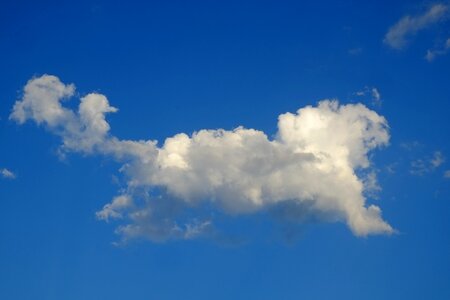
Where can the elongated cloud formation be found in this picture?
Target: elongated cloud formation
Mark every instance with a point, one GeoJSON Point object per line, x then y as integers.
{"type": "Point", "coordinates": [5, 173]}
{"type": "Point", "coordinates": [172, 189]}
{"type": "Point", "coordinates": [397, 35]}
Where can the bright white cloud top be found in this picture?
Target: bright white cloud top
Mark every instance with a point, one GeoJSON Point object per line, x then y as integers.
{"type": "Point", "coordinates": [311, 165]}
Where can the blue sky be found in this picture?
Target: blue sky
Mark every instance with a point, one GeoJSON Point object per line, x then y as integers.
{"type": "Point", "coordinates": [347, 199]}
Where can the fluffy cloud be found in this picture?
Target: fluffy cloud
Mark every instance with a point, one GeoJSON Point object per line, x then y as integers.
{"type": "Point", "coordinates": [5, 173]}
{"type": "Point", "coordinates": [174, 189]}
{"type": "Point", "coordinates": [397, 35]}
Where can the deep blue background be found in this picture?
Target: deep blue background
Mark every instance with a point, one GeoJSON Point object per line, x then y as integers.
{"type": "Point", "coordinates": [180, 66]}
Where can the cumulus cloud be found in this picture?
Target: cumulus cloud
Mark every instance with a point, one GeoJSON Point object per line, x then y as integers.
{"type": "Point", "coordinates": [5, 173]}
{"type": "Point", "coordinates": [433, 53]}
{"type": "Point", "coordinates": [397, 36]}
{"type": "Point", "coordinates": [173, 189]}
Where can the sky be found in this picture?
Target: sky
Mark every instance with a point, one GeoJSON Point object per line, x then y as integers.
{"type": "Point", "coordinates": [238, 150]}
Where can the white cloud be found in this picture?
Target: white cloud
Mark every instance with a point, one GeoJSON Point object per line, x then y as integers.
{"type": "Point", "coordinates": [398, 34]}
{"type": "Point", "coordinates": [82, 130]}
{"type": "Point", "coordinates": [174, 189]}
{"type": "Point", "coordinates": [42, 102]}
{"type": "Point", "coordinates": [432, 54]}
{"type": "Point", "coordinates": [5, 173]}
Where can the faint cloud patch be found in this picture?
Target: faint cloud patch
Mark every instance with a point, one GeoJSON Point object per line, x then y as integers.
{"type": "Point", "coordinates": [391, 168]}
{"type": "Point", "coordinates": [447, 174]}
{"type": "Point", "coordinates": [411, 145]}
{"type": "Point", "coordinates": [5, 173]}
{"type": "Point", "coordinates": [372, 93]}
{"type": "Point", "coordinates": [398, 35]}
{"type": "Point", "coordinates": [196, 229]}
{"type": "Point", "coordinates": [437, 160]}
{"type": "Point", "coordinates": [424, 166]}
{"type": "Point", "coordinates": [433, 53]}
{"type": "Point", "coordinates": [355, 51]}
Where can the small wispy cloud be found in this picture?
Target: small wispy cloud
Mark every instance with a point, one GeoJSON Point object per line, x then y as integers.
{"type": "Point", "coordinates": [437, 160]}
{"type": "Point", "coordinates": [391, 168]}
{"type": "Point", "coordinates": [376, 96]}
{"type": "Point", "coordinates": [397, 36]}
{"type": "Point", "coordinates": [371, 92]}
{"type": "Point", "coordinates": [355, 51]}
{"type": "Point", "coordinates": [411, 145]}
{"type": "Point", "coordinates": [447, 174]}
{"type": "Point", "coordinates": [433, 53]}
{"type": "Point", "coordinates": [5, 173]}
{"type": "Point", "coordinates": [423, 166]}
